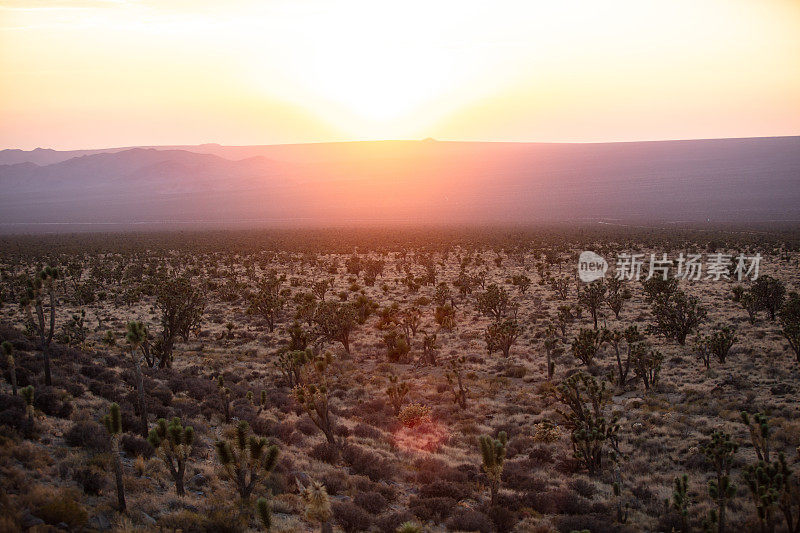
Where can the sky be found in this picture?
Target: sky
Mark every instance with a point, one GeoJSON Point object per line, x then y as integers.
{"type": "Point", "coordinates": [102, 73]}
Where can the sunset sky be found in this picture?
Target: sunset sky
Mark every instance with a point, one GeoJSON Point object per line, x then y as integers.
{"type": "Point", "coordinates": [101, 73]}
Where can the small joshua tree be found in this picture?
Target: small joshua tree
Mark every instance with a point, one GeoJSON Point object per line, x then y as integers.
{"type": "Point", "coordinates": [397, 347]}
{"type": "Point", "coordinates": [681, 501]}
{"type": "Point", "coordinates": [550, 344]}
{"type": "Point", "coordinates": [646, 364]}
{"type": "Point", "coordinates": [312, 396]}
{"type": "Point", "coordinates": [264, 513]}
{"type": "Point", "coordinates": [445, 316]}
{"type": "Point", "coordinates": [720, 450]}
{"type": "Point", "coordinates": [27, 395]}
{"type": "Point", "coordinates": [455, 380]}
{"type": "Point", "coordinates": [397, 391]}
{"type": "Point", "coordinates": [521, 282]}
{"type": "Point", "coordinates": [501, 336]}
{"type": "Point", "coordinates": [617, 296]}
{"type": "Point", "coordinates": [291, 364]}
{"type": "Point", "coordinates": [429, 347]}
{"type": "Point", "coordinates": [587, 344]}
{"type": "Point", "coordinates": [8, 352]}
{"type": "Point", "coordinates": [113, 424]}
{"type": "Point", "coordinates": [173, 444]}
{"type": "Point", "coordinates": [318, 505]}
{"type": "Point", "coordinates": [493, 453]}
{"type": "Point", "coordinates": [246, 460]}
{"type": "Point", "coordinates": [790, 322]}
{"type": "Point", "coordinates": [717, 344]}
{"type": "Point", "coordinates": [592, 298]}
{"type": "Point", "coordinates": [759, 433]}
{"type": "Point", "coordinates": [136, 337]}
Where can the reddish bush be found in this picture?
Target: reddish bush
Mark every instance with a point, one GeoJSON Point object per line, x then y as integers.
{"type": "Point", "coordinates": [350, 517]}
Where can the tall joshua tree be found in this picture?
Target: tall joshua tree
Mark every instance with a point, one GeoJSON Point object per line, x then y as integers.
{"type": "Point", "coordinates": [113, 423]}
{"type": "Point", "coordinates": [33, 303]}
{"type": "Point", "coordinates": [136, 337]}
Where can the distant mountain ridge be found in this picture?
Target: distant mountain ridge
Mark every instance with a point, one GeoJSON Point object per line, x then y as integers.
{"type": "Point", "coordinates": [741, 180]}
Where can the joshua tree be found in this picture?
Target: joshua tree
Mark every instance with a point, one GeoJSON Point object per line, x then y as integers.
{"type": "Point", "coordinates": [318, 505]}
{"type": "Point", "coordinates": [181, 306]}
{"type": "Point", "coordinates": [759, 433]}
{"type": "Point", "coordinates": [397, 346]}
{"type": "Point", "coordinates": [246, 460]}
{"type": "Point", "coordinates": [445, 316]}
{"type": "Point", "coordinates": [720, 450]}
{"type": "Point", "coordinates": [8, 351]}
{"type": "Point", "coordinates": [676, 315]}
{"type": "Point", "coordinates": [550, 343]}
{"type": "Point", "coordinates": [769, 293]}
{"type": "Point", "coordinates": [312, 396]}
{"type": "Point", "coordinates": [335, 322]}
{"type": "Point", "coordinates": [617, 296]}
{"type": "Point", "coordinates": [298, 338]}
{"type": "Point", "coordinates": [455, 380]}
{"type": "Point", "coordinates": [592, 298]}
{"type": "Point", "coordinates": [717, 344]}
{"type": "Point", "coordinates": [586, 401]}
{"type": "Point", "coordinates": [43, 285]}
{"type": "Point", "coordinates": [493, 303]}
{"type": "Point", "coordinates": [429, 347]}
{"type": "Point", "coordinates": [521, 282]}
{"type": "Point", "coordinates": [493, 452]}
{"type": "Point", "coordinates": [790, 322]}
{"type": "Point", "coordinates": [501, 336]}
{"type": "Point", "coordinates": [173, 444]}
{"type": "Point", "coordinates": [291, 364]}
{"type": "Point", "coordinates": [646, 364]}
{"type": "Point", "coordinates": [681, 501]}
{"type": "Point", "coordinates": [397, 391]}
{"type": "Point", "coordinates": [564, 319]}
{"type": "Point", "coordinates": [587, 344]}
{"type": "Point", "coordinates": [136, 337]}
{"type": "Point", "coordinates": [113, 423]}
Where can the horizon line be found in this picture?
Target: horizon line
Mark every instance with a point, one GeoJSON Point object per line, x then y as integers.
{"type": "Point", "coordinates": [427, 139]}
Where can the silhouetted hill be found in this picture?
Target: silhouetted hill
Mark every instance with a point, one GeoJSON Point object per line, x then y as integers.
{"type": "Point", "coordinates": [742, 180]}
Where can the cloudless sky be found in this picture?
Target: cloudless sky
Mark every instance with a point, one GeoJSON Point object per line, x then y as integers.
{"type": "Point", "coordinates": [101, 73]}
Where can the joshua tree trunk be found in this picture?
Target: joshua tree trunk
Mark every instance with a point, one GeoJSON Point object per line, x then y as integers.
{"type": "Point", "coordinates": [140, 387]}
{"type": "Point", "coordinates": [118, 473]}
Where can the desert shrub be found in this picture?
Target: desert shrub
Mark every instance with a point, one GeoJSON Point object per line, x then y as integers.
{"type": "Point", "coordinates": [582, 486]}
{"type": "Point", "coordinates": [586, 522]}
{"type": "Point", "coordinates": [63, 507]}
{"type": "Point", "coordinates": [91, 480]}
{"type": "Point", "coordinates": [52, 402]}
{"type": "Point", "coordinates": [12, 414]}
{"type": "Point", "coordinates": [459, 491]}
{"type": "Point", "coordinates": [414, 414]}
{"type": "Point", "coordinates": [469, 520]}
{"type": "Point", "coordinates": [135, 446]}
{"type": "Point", "coordinates": [74, 389]}
{"type": "Point", "coordinates": [367, 463]}
{"type": "Point", "coordinates": [86, 434]}
{"type": "Point", "coordinates": [437, 508]}
{"type": "Point", "coordinates": [371, 501]}
{"type": "Point", "coordinates": [389, 522]}
{"type": "Point", "coordinates": [366, 431]}
{"type": "Point", "coordinates": [325, 452]}
{"type": "Point", "coordinates": [335, 482]}
{"type": "Point", "coordinates": [504, 519]}
{"type": "Point", "coordinates": [350, 517]}
{"type": "Point", "coordinates": [104, 389]}
{"type": "Point", "coordinates": [540, 455]}
{"type": "Point", "coordinates": [184, 520]}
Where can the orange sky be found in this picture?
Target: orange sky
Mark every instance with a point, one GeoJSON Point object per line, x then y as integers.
{"type": "Point", "coordinates": [99, 73]}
